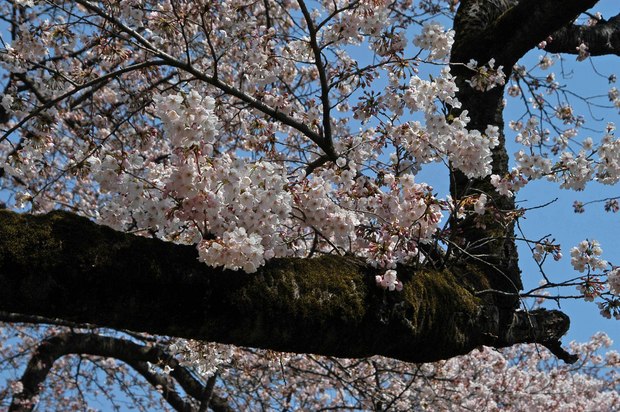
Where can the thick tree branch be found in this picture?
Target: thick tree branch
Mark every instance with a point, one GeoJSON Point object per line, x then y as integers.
{"type": "Point", "coordinates": [63, 266]}
{"type": "Point", "coordinates": [507, 29]}
{"type": "Point", "coordinates": [603, 38]}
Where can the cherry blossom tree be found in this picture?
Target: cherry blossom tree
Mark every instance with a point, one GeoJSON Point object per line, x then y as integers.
{"type": "Point", "coordinates": [246, 173]}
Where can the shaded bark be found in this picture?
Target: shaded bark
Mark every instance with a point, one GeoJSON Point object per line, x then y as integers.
{"type": "Point", "coordinates": [503, 30]}
{"type": "Point", "coordinates": [63, 266]}
{"type": "Point", "coordinates": [507, 29]}
{"type": "Point", "coordinates": [603, 38]}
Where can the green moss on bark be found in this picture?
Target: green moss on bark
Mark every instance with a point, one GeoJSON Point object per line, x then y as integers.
{"type": "Point", "coordinates": [63, 266]}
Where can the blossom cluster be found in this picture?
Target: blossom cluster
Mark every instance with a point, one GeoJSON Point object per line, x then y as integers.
{"type": "Point", "coordinates": [583, 52]}
{"type": "Point", "coordinates": [545, 248]}
{"type": "Point", "coordinates": [613, 279]}
{"type": "Point", "coordinates": [389, 281]}
{"type": "Point", "coordinates": [614, 97]}
{"type": "Point", "coordinates": [203, 358]}
{"type": "Point", "coordinates": [608, 165]}
{"type": "Point", "coordinates": [599, 282]}
{"type": "Point", "coordinates": [241, 213]}
{"type": "Point", "coordinates": [573, 169]}
{"type": "Point", "coordinates": [436, 40]}
{"type": "Point", "coordinates": [508, 184]}
{"type": "Point", "coordinates": [486, 77]}
{"type": "Point", "coordinates": [188, 120]}
{"type": "Point", "coordinates": [586, 256]}
{"type": "Point", "coordinates": [468, 150]}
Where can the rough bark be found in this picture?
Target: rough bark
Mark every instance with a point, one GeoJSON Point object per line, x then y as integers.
{"type": "Point", "coordinates": [503, 30]}
{"type": "Point", "coordinates": [507, 29]}
{"type": "Point", "coordinates": [603, 38]}
{"type": "Point", "coordinates": [63, 266]}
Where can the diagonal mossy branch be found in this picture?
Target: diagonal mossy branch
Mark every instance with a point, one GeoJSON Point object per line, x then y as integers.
{"type": "Point", "coordinates": [63, 266]}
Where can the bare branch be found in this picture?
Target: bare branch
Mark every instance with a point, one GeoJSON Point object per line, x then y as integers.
{"type": "Point", "coordinates": [93, 83]}
{"type": "Point", "coordinates": [53, 348]}
{"type": "Point", "coordinates": [320, 66]}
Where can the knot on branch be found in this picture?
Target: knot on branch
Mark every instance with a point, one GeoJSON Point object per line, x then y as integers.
{"type": "Point", "coordinates": [542, 326]}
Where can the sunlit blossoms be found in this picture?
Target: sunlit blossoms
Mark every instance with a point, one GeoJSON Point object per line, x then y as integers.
{"type": "Point", "coordinates": [608, 167]}
{"type": "Point", "coordinates": [613, 279]}
{"type": "Point", "coordinates": [480, 205]}
{"type": "Point", "coordinates": [582, 52]}
{"type": "Point", "coordinates": [188, 120]}
{"type": "Point", "coordinates": [435, 39]}
{"type": "Point", "coordinates": [389, 281]}
{"type": "Point", "coordinates": [202, 358]}
{"type": "Point", "coordinates": [487, 77]}
{"type": "Point", "coordinates": [586, 255]}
